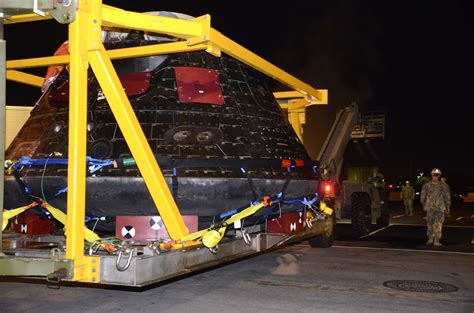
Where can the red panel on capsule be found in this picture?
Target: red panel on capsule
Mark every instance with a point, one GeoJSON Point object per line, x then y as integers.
{"type": "Point", "coordinates": [198, 85]}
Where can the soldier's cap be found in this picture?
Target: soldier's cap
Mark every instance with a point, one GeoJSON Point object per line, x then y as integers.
{"type": "Point", "coordinates": [436, 171]}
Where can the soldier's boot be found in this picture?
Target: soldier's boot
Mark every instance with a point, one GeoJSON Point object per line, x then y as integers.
{"type": "Point", "coordinates": [430, 241]}
{"type": "Point", "coordinates": [437, 243]}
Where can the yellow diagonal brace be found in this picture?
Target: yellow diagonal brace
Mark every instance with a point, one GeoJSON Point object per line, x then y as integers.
{"type": "Point", "coordinates": [25, 78]}
{"type": "Point", "coordinates": [136, 140]}
{"type": "Point", "coordinates": [158, 24]}
{"type": "Point", "coordinates": [246, 56]}
{"type": "Point", "coordinates": [163, 48]}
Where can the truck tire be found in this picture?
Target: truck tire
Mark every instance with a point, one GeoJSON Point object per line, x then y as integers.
{"type": "Point", "coordinates": [361, 214]}
{"type": "Point", "coordinates": [384, 219]}
{"type": "Point", "coordinates": [326, 240]}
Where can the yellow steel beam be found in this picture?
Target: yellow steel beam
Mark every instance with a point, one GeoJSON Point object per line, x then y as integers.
{"type": "Point", "coordinates": [246, 56]}
{"type": "Point", "coordinates": [298, 104]}
{"type": "Point", "coordinates": [295, 121]}
{"type": "Point", "coordinates": [283, 96]}
{"type": "Point", "coordinates": [137, 142]}
{"type": "Point", "coordinates": [296, 109]}
{"type": "Point", "coordinates": [76, 179]}
{"type": "Point", "coordinates": [25, 78]}
{"type": "Point", "coordinates": [37, 62]}
{"type": "Point", "coordinates": [197, 28]}
{"type": "Point", "coordinates": [29, 17]}
{"type": "Point", "coordinates": [288, 95]}
{"type": "Point", "coordinates": [164, 48]}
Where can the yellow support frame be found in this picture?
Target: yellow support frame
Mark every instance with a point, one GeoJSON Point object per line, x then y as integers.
{"type": "Point", "coordinates": [295, 104]}
{"type": "Point", "coordinates": [77, 144]}
{"type": "Point", "coordinates": [123, 53]}
{"type": "Point", "coordinates": [85, 48]}
{"type": "Point", "coordinates": [25, 78]}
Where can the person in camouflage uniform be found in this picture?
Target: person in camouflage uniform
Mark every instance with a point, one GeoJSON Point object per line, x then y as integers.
{"type": "Point", "coordinates": [436, 201]}
{"type": "Point", "coordinates": [408, 195]}
{"type": "Point", "coordinates": [443, 180]}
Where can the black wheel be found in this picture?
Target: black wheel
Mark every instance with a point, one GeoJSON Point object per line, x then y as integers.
{"type": "Point", "coordinates": [361, 214]}
{"type": "Point", "coordinates": [326, 240]}
{"type": "Point", "coordinates": [384, 218]}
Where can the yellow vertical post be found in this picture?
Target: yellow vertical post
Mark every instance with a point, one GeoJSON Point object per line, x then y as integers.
{"type": "Point", "coordinates": [77, 142]}
{"type": "Point", "coordinates": [295, 121]}
{"type": "Point", "coordinates": [137, 142]}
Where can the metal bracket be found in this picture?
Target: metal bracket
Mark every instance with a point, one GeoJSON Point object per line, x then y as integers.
{"type": "Point", "coordinates": [36, 9]}
{"type": "Point", "coordinates": [205, 21]}
{"type": "Point", "coordinates": [63, 11]}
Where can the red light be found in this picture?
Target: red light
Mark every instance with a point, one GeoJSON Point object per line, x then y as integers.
{"type": "Point", "coordinates": [327, 188]}
{"type": "Point", "coordinates": [390, 186]}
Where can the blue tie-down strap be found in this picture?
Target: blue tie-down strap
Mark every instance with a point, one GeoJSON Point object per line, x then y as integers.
{"type": "Point", "coordinates": [96, 164]}
{"type": "Point", "coordinates": [25, 161]}
{"type": "Point", "coordinates": [303, 201]}
{"type": "Point", "coordinates": [60, 191]}
{"type": "Point", "coordinates": [227, 214]}
{"type": "Point", "coordinates": [95, 219]}
{"type": "Point", "coordinates": [93, 164]}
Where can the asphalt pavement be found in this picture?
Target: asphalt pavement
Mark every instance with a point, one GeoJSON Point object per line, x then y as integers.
{"type": "Point", "coordinates": [294, 279]}
{"type": "Point", "coordinates": [409, 232]}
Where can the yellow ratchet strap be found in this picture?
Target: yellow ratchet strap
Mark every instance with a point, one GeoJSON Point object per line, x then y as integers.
{"type": "Point", "coordinates": [8, 214]}
{"type": "Point", "coordinates": [59, 215]}
{"type": "Point", "coordinates": [325, 209]}
{"type": "Point", "coordinates": [238, 216]}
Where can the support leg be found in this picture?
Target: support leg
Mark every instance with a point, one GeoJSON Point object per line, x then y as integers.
{"type": "Point", "coordinates": [2, 121]}
{"type": "Point", "coordinates": [77, 144]}
{"type": "Point", "coordinates": [136, 140]}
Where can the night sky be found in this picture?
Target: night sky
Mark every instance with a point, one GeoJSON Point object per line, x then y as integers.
{"type": "Point", "coordinates": [413, 59]}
